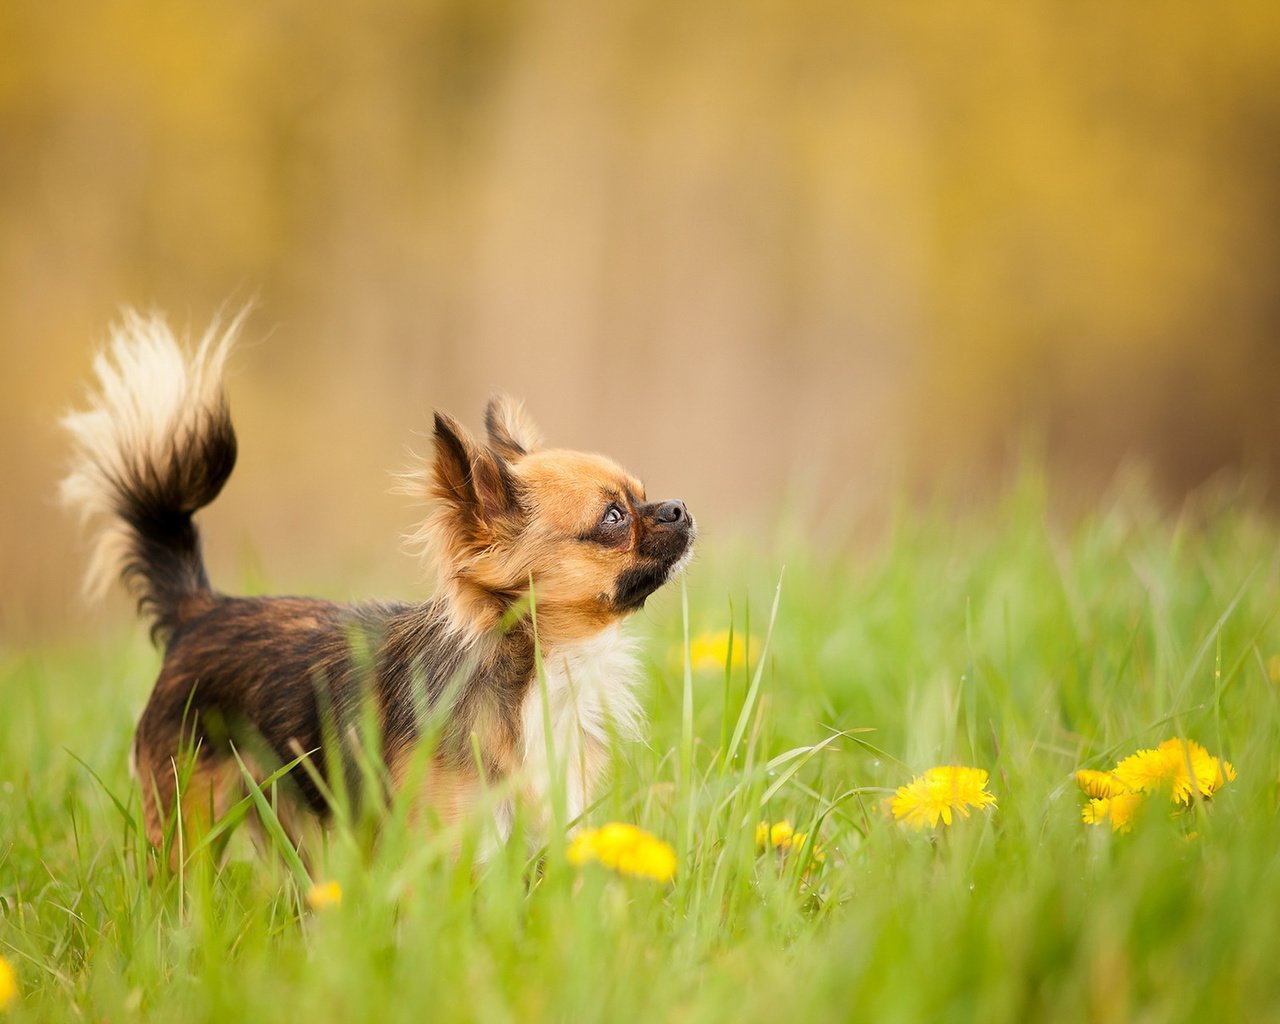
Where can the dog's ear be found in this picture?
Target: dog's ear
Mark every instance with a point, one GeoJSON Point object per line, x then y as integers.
{"type": "Point", "coordinates": [474, 481]}
{"type": "Point", "coordinates": [512, 434]}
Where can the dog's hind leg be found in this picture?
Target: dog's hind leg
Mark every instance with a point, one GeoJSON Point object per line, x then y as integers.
{"type": "Point", "coordinates": [183, 798]}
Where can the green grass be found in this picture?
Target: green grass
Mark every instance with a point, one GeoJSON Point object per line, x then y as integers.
{"type": "Point", "coordinates": [990, 639]}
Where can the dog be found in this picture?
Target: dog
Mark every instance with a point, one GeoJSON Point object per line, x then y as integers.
{"type": "Point", "coordinates": [516, 669]}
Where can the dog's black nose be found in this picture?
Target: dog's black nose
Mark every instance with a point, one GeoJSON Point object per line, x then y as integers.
{"type": "Point", "coordinates": [671, 512]}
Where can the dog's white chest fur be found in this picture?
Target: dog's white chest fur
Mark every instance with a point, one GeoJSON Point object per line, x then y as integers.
{"type": "Point", "coordinates": [589, 690]}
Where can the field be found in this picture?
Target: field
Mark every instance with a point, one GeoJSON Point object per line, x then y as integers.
{"type": "Point", "coordinates": [999, 638]}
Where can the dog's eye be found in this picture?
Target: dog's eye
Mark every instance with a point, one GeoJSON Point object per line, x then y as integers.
{"type": "Point", "coordinates": [612, 516]}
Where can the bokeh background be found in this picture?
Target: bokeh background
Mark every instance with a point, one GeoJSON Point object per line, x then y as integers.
{"type": "Point", "coordinates": [784, 259]}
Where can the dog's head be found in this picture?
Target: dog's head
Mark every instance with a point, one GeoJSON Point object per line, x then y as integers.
{"type": "Point", "coordinates": [579, 527]}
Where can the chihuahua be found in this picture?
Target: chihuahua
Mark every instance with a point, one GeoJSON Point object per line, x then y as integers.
{"type": "Point", "coordinates": [516, 669]}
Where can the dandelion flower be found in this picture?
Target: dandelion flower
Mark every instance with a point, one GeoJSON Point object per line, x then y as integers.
{"type": "Point", "coordinates": [324, 895]}
{"type": "Point", "coordinates": [626, 849]}
{"type": "Point", "coordinates": [940, 792]}
{"type": "Point", "coordinates": [708, 652]}
{"type": "Point", "coordinates": [1101, 785]}
{"type": "Point", "coordinates": [1119, 810]}
{"type": "Point", "coordinates": [816, 852]}
{"type": "Point", "coordinates": [777, 834]}
{"type": "Point", "coordinates": [8, 983]}
{"type": "Point", "coordinates": [781, 836]}
{"type": "Point", "coordinates": [1208, 773]}
{"type": "Point", "coordinates": [1181, 767]}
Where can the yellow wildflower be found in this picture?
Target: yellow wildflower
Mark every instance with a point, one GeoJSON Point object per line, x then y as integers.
{"type": "Point", "coordinates": [800, 838]}
{"type": "Point", "coordinates": [323, 895]}
{"type": "Point", "coordinates": [8, 983]}
{"type": "Point", "coordinates": [938, 793]}
{"type": "Point", "coordinates": [781, 836]}
{"type": "Point", "coordinates": [708, 652]}
{"type": "Point", "coordinates": [777, 834]}
{"type": "Point", "coordinates": [1118, 809]}
{"type": "Point", "coordinates": [1183, 767]}
{"type": "Point", "coordinates": [1100, 785]}
{"type": "Point", "coordinates": [626, 849]}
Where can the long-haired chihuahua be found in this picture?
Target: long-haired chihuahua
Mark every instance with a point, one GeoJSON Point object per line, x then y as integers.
{"type": "Point", "coordinates": [539, 553]}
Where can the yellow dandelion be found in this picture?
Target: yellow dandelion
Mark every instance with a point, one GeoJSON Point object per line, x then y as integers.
{"type": "Point", "coordinates": [8, 983]}
{"type": "Point", "coordinates": [1181, 767]}
{"type": "Point", "coordinates": [816, 853]}
{"type": "Point", "coordinates": [938, 793]}
{"type": "Point", "coordinates": [777, 834]}
{"type": "Point", "coordinates": [1209, 773]}
{"type": "Point", "coordinates": [324, 895]}
{"type": "Point", "coordinates": [1100, 785]}
{"type": "Point", "coordinates": [1119, 810]}
{"type": "Point", "coordinates": [708, 652]}
{"type": "Point", "coordinates": [1146, 770]}
{"type": "Point", "coordinates": [626, 849]}
{"type": "Point", "coordinates": [781, 836]}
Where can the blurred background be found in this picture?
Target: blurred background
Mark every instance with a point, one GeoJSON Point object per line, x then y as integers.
{"type": "Point", "coordinates": [791, 258]}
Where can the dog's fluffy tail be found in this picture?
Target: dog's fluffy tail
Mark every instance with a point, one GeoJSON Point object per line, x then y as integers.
{"type": "Point", "coordinates": [153, 445]}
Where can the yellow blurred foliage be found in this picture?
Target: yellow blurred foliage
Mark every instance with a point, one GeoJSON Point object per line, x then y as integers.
{"type": "Point", "coordinates": [745, 247]}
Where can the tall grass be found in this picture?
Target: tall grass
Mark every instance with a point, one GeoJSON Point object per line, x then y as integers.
{"type": "Point", "coordinates": [992, 639]}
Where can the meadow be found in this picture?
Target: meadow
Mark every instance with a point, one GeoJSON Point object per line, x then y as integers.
{"type": "Point", "coordinates": [1004, 637]}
